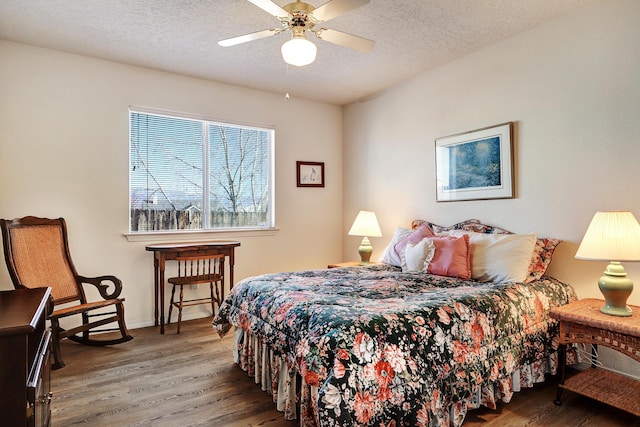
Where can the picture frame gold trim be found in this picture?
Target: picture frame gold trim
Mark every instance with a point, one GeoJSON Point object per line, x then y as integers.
{"type": "Point", "coordinates": [475, 165]}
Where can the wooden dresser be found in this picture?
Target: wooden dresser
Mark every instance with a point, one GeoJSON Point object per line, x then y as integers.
{"type": "Point", "coordinates": [25, 369]}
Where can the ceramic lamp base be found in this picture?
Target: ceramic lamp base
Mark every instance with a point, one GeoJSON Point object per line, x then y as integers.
{"type": "Point", "coordinates": [616, 288]}
{"type": "Point", "coordinates": [365, 249]}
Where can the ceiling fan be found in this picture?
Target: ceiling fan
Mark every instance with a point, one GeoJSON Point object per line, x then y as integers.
{"type": "Point", "coordinates": [300, 17]}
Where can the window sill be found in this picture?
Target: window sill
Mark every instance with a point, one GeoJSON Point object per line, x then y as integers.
{"type": "Point", "coordinates": [198, 235]}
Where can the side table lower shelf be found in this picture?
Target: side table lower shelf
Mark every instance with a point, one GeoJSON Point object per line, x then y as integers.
{"type": "Point", "coordinates": [607, 387]}
{"type": "Point", "coordinates": [349, 264]}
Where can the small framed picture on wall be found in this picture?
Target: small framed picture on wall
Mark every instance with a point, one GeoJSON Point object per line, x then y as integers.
{"type": "Point", "coordinates": [310, 174]}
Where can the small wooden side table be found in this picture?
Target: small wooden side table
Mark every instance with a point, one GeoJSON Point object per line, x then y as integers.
{"type": "Point", "coordinates": [582, 322]}
{"type": "Point", "coordinates": [348, 264]}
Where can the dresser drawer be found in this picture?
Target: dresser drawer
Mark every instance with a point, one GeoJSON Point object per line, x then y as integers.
{"type": "Point", "coordinates": [24, 357]}
{"type": "Point", "coordinates": [39, 385]}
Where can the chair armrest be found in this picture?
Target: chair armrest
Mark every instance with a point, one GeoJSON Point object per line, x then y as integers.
{"type": "Point", "coordinates": [104, 288]}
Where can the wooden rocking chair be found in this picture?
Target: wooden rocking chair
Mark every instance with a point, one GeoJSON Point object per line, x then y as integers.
{"type": "Point", "coordinates": [37, 254]}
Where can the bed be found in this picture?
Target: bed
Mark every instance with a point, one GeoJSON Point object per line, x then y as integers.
{"type": "Point", "coordinates": [416, 340]}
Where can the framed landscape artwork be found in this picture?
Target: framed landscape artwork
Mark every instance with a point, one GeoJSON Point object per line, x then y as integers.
{"type": "Point", "coordinates": [475, 165]}
{"type": "Point", "coordinates": [310, 174]}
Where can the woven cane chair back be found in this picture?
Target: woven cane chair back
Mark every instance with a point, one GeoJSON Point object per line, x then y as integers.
{"type": "Point", "coordinates": [39, 256]}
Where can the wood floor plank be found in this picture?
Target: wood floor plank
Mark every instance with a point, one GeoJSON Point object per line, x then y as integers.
{"type": "Point", "coordinates": [190, 380]}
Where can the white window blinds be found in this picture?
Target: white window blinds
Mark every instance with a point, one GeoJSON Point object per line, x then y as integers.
{"type": "Point", "coordinates": [194, 174]}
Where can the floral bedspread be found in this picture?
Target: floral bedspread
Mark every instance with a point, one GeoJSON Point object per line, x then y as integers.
{"type": "Point", "coordinates": [387, 348]}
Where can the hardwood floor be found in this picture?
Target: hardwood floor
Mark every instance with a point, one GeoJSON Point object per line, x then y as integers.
{"type": "Point", "coordinates": [190, 380]}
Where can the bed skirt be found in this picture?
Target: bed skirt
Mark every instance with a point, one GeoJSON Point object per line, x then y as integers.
{"type": "Point", "coordinates": [291, 394]}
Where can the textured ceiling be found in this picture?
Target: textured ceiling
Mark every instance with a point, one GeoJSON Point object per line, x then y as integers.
{"type": "Point", "coordinates": [181, 36]}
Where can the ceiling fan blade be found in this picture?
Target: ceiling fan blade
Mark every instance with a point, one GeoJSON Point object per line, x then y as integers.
{"type": "Point", "coordinates": [346, 40]}
{"type": "Point", "coordinates": [248, 37]}
{"type": "Point", "coordinates": [335, 8]}
{"type": "Point", "coordinates": [271, 8]}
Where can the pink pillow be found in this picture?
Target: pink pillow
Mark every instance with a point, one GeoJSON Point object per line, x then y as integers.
{"type": "Point", "coordinates": [414, 237]}
{"type": "Point", "coordinates": [452, 257]}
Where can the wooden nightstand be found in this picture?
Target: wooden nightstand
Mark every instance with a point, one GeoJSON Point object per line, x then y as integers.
{"type": "Point", "coordinates": [348, 264]}
{"type": "Point", "coordinates": [582, 322]}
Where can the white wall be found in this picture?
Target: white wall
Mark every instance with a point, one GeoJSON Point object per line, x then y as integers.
{"type": "Point", "coordinates": [572, 88]}
{"type": "Point", "coordinates": [64, 153]}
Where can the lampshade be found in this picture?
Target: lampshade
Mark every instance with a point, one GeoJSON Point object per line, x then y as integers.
{"type": "Point", "coordinates": [613, 236]}
{"type": "Point", "coordinates": [366, 224]}
{"type": "Point", "coordinates": [299, 51]}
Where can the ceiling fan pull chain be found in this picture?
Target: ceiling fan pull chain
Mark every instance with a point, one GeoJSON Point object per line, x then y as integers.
{"type": "Point", "coordinates": [286, 84]}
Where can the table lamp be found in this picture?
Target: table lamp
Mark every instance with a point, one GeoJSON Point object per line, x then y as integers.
{"type": "Point", "coordinates": [366, 225]}
{"type": "Point", "coordinates": [613, 236]}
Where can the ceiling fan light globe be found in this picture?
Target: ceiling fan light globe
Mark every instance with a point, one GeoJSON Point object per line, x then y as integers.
{"type": "Point", "coordinates": [299, 52]}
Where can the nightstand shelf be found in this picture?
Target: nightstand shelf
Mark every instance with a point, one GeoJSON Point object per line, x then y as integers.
{"type": "Point", "coordinates": [607, 387]}
{"type": "Point", "coordinates": [349, 264]}
{"type": "Point", "coordinates": [582, 322]}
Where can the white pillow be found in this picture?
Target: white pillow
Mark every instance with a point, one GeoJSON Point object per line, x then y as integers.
{"type": "Point", "coordinates": [499, 257]}
{"type": "Point", "coordinates": [417, 256]}
{"type": "Point", "coordinates": [389, 256]}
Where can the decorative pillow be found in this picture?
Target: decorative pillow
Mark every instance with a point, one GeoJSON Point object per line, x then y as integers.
{"type": "Point", "coordinates": [541, 258]}
{"type": "Point", "coordinates": [415, 236]}
{"type": "Point", "coordinates": [440, 255]}
{"type": "Point", "coordinates": [482, 228]}
{"type": "Point", "coordinates": [416, 256]}
{"type": "Point", "coordinates": [499, 257]}
{"type": "Point", "coordinates": [438, 229]}
{"type": "Point", "coordinates": [471, 225]}
{"type": "Point", "coordinates": [389, 255]}
{"type": "Point", "coordinates": [452, 257]}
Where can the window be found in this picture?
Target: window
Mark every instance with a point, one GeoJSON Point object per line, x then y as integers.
{"type": "Point", "coordinates": [187, 173]}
